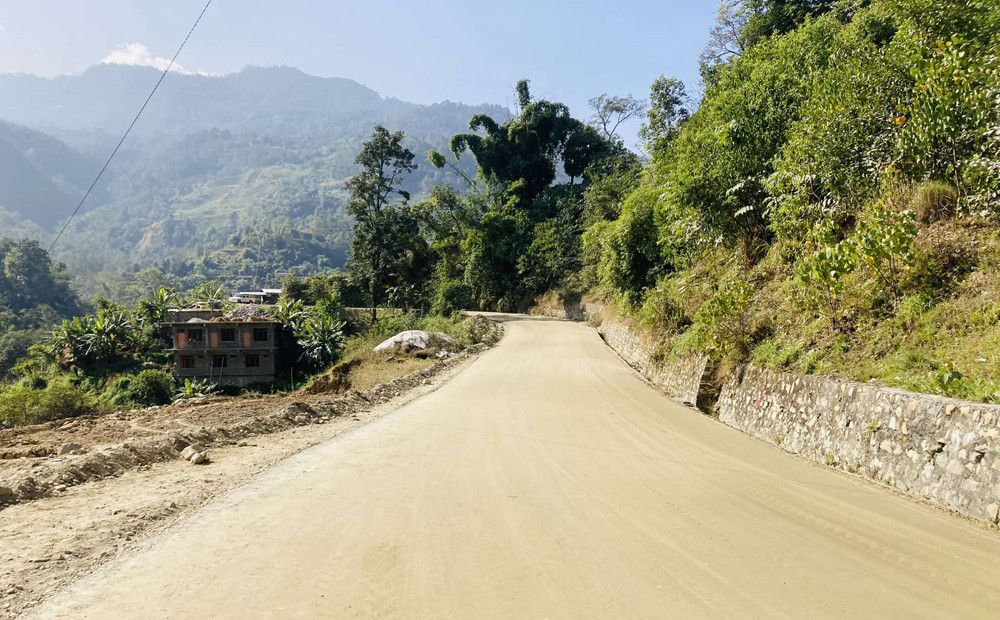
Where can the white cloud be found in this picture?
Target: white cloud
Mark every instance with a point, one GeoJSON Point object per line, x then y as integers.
{"type": "Point", "coordinates": [139, 55]}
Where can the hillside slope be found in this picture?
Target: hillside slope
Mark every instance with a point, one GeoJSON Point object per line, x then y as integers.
{"type": "Point", "coordinates": [39, 175]}
{"type": "Point", "coordinates": [214, 161]}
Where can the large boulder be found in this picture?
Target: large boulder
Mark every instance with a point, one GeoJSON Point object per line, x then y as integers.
{"type": "Point", "coordinates": [415, 339]}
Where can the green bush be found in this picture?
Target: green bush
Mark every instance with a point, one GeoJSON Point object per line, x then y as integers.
{"type": "Point", "coordinates": [472, 330]}
{"type": "Point", "coordinates": [662, 309]}
{"type": "Point", "coordinates": [14, 345]}
{"type": "Point", "coordinates": [885, 242]}
{"type": "Point", "coordinates": [331, 307]}
{"type": "Point", "coordinates": [37, 401]}
{"type": "Point", "coordinates": [452, 296]}
{"type": "Point", "coordinates": [724, 321]}
{"type": "Point", "coordinates": [819, 280]}
{"type": "Point", "coordinates": [630, 257]}
{"type": "Point", "coordinates": [146, 389]}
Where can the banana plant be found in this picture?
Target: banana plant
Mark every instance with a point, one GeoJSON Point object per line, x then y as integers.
{"type": "Point", "coordinates": [321, 340]}
{"type": "Point", "coordinates": [291, 313]}
{"type": "Point", "coordinates": [195, 388]}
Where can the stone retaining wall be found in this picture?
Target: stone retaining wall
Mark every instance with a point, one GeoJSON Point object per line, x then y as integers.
{"type": "Point", "coordinates": [680, 379]}
{"type": "Point", "coordinates": [942, 450]}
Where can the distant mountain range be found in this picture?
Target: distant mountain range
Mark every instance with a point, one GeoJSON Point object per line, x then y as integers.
{"type": "Point", "coordinates": [277, 101]}
{"type": "Point", "coordinates": [211, 158]}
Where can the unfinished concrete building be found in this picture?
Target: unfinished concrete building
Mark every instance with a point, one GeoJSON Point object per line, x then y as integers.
{"type": "Point", "coordinates": [226, 351]}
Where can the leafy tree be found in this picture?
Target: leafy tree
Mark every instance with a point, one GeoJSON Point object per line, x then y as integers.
{"type": "Point", "coordinates": [525, 149]}
{"type": "Point", "coordinates": [838, 152]}
{"type": "Point", "coordinates": [451, 296]}
{"type": "Point", "coordinates": [886, 243]}
{"type": "Point", "coordinates": [610, 180]}
{"type": "Point", "coordinates": [950, 114]}
{"type": "Point", "coordinates": [213, 293]}
{"type": "Point", "coordinates": [582, 148]}
{"type": "Point", "coordinates": [551, 256]}
{"type": "Point", "coordinates": [386, 240]}
{"type": "Point", "coordinates": [29, 279]}
{"type": "Point", "coordinates": [14, 346]}
{"type": "Point", "coordinates": [295, 288]}
{"type": "Point", "coordinates": [331, 307]}
{"type": "Point", "coordinates": [511, 255]}
{"type": "Point", "coordinates": [628, 255]}
{"type": "Point", "coordinates": [156, 307]}
{"type": "Point", "coordinates": [666, 114]}
{"type": "Point", "coordinates": [494, 250]}
{"type": "Point", "coordinates": [774, 17]}
{"type": "Point", "coordinates": [821, 276]}
{"type": "Point", "coordinates": [291, 313]}
{"type": "Point", "coordinates": [447, 219]}
{"type": "Point", "coordinates": [719, 163]}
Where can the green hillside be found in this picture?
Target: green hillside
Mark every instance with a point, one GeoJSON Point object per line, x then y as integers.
{"type": "Point", "coordinates": [41, 178]}
{"type": "Point", "coordinates": [214, 162]}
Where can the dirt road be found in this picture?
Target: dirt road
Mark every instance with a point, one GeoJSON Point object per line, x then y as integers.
{"type": "Point", "coordinates": [548, 481]}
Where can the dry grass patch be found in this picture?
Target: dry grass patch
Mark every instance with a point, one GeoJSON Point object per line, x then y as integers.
{"type": "Point", "coordinates": [382, 368]}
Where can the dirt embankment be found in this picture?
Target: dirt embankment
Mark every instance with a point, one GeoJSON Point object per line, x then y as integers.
{"type": "Point", "coordinates": [40, 460]}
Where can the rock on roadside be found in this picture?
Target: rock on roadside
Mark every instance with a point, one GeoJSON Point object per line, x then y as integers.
{"type": "Point", "coordinates": [415, 339]}
{"type": "Point", "coordinates": [196, 454]}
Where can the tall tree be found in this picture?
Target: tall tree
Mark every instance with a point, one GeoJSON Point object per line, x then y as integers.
{"type": "Point", "coordinates": [378, 207]}
{"type": "Point", "coordinates": [525, 150]}
{"type": "Point", "coordinates": [667, 112]}
{"type": "Point", "coordinates": [725, 39]}
{"type": "Point", "coordinates": [610, 111]}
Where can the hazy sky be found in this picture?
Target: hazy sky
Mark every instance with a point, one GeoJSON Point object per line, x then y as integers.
{"type": "Point", "coordinates": [423, 51]}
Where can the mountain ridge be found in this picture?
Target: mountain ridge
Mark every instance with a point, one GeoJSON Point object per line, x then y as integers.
{"type": "Point", "coordinates": [275, 100]}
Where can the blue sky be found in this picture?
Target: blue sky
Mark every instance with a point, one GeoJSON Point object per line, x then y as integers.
{"type": "Point", "coordinates": [418, 51]}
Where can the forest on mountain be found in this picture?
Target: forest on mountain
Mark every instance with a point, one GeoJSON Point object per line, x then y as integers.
{"type": "Point", "coordinates": [228, 177]}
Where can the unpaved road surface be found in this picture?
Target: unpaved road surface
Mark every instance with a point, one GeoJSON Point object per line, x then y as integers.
{"type": "Point", "coordinates": [547, 480]}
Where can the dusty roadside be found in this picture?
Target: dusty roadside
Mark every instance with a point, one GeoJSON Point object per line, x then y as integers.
{"type": "Point", "coordinates": [67, 531]}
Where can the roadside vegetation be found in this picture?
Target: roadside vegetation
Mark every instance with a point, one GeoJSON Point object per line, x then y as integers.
{"type": "Point", "coordinates": [830, 204]}
{"type": "Point", "coordinates": [118, 358]}
{"type": "Point", "coordinates": [831, 207]}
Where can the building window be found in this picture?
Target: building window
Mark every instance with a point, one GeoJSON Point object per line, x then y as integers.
{"type": "Point", "coordinates": [228, 335]}
{"type": "Point", "coordinates": [260, 334]}
{"type": "Point", "coordinates": [196, 335]}
{"type": "Point", "coordinates": [253, 361]}
{"type": "Point", "coordinates": [188, 361]}
{"type": "Point", "coordinates": [220, 361]}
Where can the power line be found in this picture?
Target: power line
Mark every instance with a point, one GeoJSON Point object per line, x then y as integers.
{"type": "Point", "coordinates": [129, 130]}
